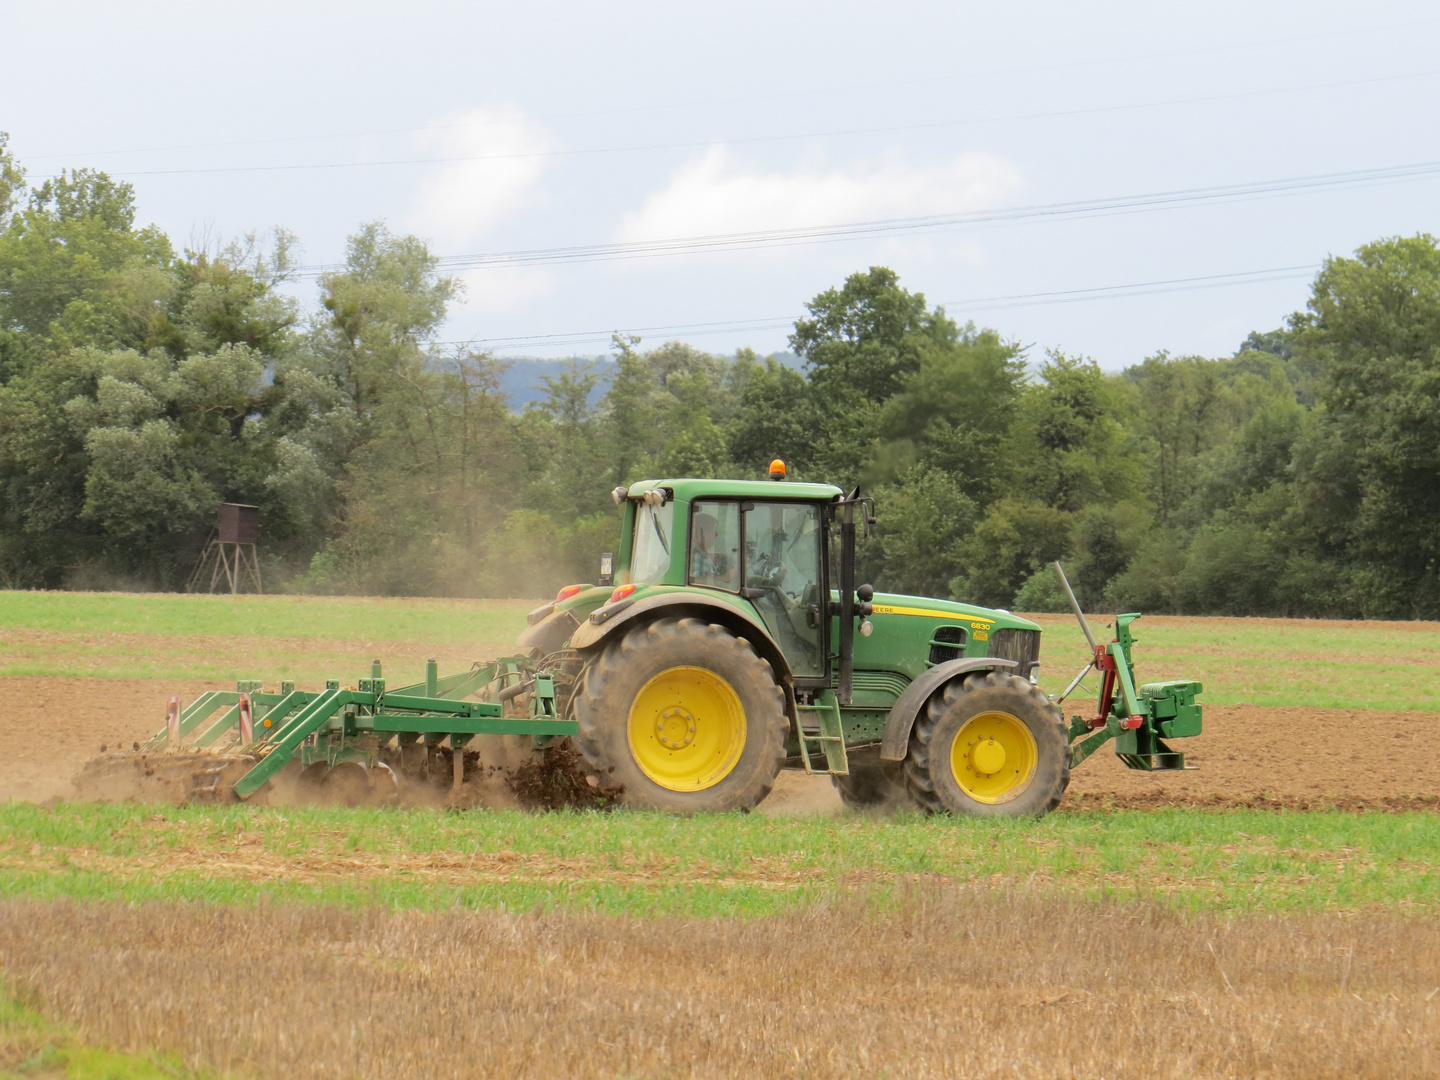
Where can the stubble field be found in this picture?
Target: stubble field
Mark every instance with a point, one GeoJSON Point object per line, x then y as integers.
{"type": "Point", "coordinates": [1272, 913]}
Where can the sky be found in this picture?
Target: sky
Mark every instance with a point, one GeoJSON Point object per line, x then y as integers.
{"type": "Point", "coordinates": [1106, 179]}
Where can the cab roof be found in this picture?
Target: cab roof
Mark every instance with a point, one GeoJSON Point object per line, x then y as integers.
{"type": "Point", "coordinates": [687, 489]}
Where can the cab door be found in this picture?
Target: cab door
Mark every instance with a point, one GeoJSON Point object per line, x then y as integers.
{"type": "Point", "coordinates": [783, 569]}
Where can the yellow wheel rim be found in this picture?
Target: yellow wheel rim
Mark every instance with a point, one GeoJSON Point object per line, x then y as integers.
{"type": "Point", "coordinates": [993, 757]}
{"type": "Point", "coordinates": [687, 729]}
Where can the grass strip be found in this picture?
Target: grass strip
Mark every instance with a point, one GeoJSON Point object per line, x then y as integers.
{"type": "Point", "coordinates": [730, 865]}
{"type": "Point", "coordinates": [33, 1047]}
{"type": "Point", "coordinates": [392, 618]}
{"type": "Point", "coordinates": [1269, 662]}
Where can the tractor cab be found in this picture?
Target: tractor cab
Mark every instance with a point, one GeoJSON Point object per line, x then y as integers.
{"type": "Point", "coordinates": [756, 549]}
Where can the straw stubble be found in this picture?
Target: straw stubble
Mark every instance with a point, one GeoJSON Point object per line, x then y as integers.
{"type": "Point", "coordinates": [952, 983]}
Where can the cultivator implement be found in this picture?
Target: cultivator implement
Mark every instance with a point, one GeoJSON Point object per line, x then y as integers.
{"type": "Point", "coordinates": [353, 741]}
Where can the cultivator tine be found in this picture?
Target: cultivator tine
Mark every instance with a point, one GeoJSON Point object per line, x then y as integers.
{"type": "Point", "coordinates": [172, 723]}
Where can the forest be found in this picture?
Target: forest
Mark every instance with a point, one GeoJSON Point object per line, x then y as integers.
{"type": "Point", "coordinates": [141, 386]}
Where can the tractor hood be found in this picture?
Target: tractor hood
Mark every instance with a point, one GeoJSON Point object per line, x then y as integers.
{"type": "Point", "coordinates": [929, 607]}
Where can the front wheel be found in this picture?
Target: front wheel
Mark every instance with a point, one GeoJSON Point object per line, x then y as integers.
{"type": "Point", "coordinates": [684, 716]}
{"type": "Point", "coordinates": [991, 745]}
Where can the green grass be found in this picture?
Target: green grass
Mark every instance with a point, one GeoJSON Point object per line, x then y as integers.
{"type": "Point", "coordinates": [651, 864]}
{"type": "Point", "coordinates": [343, 617]}
{"type": "Point", "coordinates": [44, 1050]}
{"type": "Point", "coordinates": [1355, 665]}
{"type": "Point", "coordinates": [1359, 665]}
{"type": "Point", "coordinates": [224, 638]}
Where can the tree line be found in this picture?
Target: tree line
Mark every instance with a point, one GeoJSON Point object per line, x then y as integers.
{"type": "Point", "coordinates": [141, 386]}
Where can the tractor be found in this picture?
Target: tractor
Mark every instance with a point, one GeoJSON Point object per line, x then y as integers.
{"type": "Point", "coordinates": [725, 640]}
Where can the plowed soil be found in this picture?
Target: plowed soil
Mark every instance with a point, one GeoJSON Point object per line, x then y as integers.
{"type": "Point", "coordinates": [1297, 758]}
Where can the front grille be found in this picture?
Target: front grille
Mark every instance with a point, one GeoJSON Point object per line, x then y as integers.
{"type": "Point", "coordinates": [940, 653]}
{"type": "Point", "coordinates": [1022, 646]}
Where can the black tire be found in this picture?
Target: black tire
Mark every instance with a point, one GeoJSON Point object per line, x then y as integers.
{"type": "Point", "coordinates": [875, 788]}
{"type": "Point", "coordinates": [928, 769]}
{"type": "Point", "coordinates": [613, 681]}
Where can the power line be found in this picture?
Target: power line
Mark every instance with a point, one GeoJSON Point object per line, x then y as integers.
{"type": "Point", "coordinates": [970, 75]}
{"type": "Point", "coordinates": [721, 242]}
{"type": "Point", "coordinates": [1141, 288]}
{"type": "Point", "coordinates": [1036, 299]}
{"type": "Point", "coordinates": [691, 144]}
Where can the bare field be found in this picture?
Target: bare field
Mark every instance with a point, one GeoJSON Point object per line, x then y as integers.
{"type": "Point", "coordinates": [322, 942]}
{"type": "Point", "coordinates": [955, 983]}
{"type": "Point", "coordinates": [1297, 758]}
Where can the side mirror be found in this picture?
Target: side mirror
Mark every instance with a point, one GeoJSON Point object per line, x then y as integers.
{"type": "Point", "coordinates": [607, 569]}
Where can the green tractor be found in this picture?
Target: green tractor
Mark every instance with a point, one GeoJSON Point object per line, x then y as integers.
{"type": "Point", "coordinates": [728, 640]}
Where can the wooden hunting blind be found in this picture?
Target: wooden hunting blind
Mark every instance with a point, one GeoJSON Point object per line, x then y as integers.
{"type": "Point", "coordinates": [239, 524]}
{"type": "Point", "coordinates": [229, 557]}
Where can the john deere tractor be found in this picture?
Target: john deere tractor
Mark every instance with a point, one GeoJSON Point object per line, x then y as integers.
{"type": "Point", "coordinates": [725, 641]}
{"type": "Point", "coordinates": [728, 639]}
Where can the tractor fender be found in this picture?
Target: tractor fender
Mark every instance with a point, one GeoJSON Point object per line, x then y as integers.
{"type": "Point", "coordinates": [896, 741]}
{"type": "Point", "coordinates": [593, 631]}
{"type": "Point", "coordinates": [549, 632]}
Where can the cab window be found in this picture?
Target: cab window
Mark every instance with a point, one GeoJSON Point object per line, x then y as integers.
{"type": "Point", "coordinates": [783, 568]}
{"type": "Point", "coordinates": [715, 545]}
{"type": "Point", "coordinates": [650, 552]}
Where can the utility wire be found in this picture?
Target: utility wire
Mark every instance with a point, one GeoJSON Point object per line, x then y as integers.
{"type": "Point", "coordinates": [1036, 299]}
{"type": "Point", "coordinates": [720, 242]}
{"type": "Point", "coordinates": [871, 86]}
{"type": "Point", "coordinates": [746, 140]}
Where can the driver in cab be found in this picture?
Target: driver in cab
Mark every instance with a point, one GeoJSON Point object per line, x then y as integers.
{"type": "Point", "coordinates": [707, 565]}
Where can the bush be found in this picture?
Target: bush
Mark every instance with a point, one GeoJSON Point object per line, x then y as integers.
{"type": "Point", "coordinates": [1042, 592]}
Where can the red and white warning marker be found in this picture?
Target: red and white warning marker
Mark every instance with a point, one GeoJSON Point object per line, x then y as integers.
{"type": "Point", "coordinates": [247, 721]}
{"type": "Point", "coordinates": [172, 722]}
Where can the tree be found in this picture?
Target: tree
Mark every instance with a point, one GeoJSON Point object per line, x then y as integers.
{"type": "Point", "coordinates": [1069, 447]}
{"type": "Point", "coordinates": [385, 303]}
{"type": "Point", "coordinates": [775, 417]}
{"type": "Point", "coordinates": [862, 339]}
{"type": "Point", "coordinates": [1372, 479]}
{"type": "Point", "coordinates": [75, 272]}
{"type": "Point", "coordinates": [953, 412]}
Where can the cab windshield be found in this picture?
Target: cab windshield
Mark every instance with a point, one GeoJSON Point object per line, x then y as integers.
{"type": "Point", "coordinates": [650, 552]}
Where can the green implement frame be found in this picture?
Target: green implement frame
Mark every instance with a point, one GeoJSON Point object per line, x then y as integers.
{"type": "Point", "coordinates": [355, 723]}
{"type": "Point", "coordinates": [1138, 720]}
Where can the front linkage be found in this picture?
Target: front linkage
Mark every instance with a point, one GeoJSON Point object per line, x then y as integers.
{"type": "Point", "coordinates": [1138, 720]}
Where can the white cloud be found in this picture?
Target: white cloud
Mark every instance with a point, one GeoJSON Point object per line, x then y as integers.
{"type": "Point", "coordinates": [497, 289]}
{"type": "Point", "coordinates": [460, 201]}
{"type": "Point", "coordinates": [715, 193]}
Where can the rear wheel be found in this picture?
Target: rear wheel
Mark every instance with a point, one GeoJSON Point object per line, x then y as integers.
{"type": "Point", "coordinates": [990, 746]}
{"type": "Point", "coordinates": [874, 787]}
{"type": "Point", "coordinates": [684, 716]}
